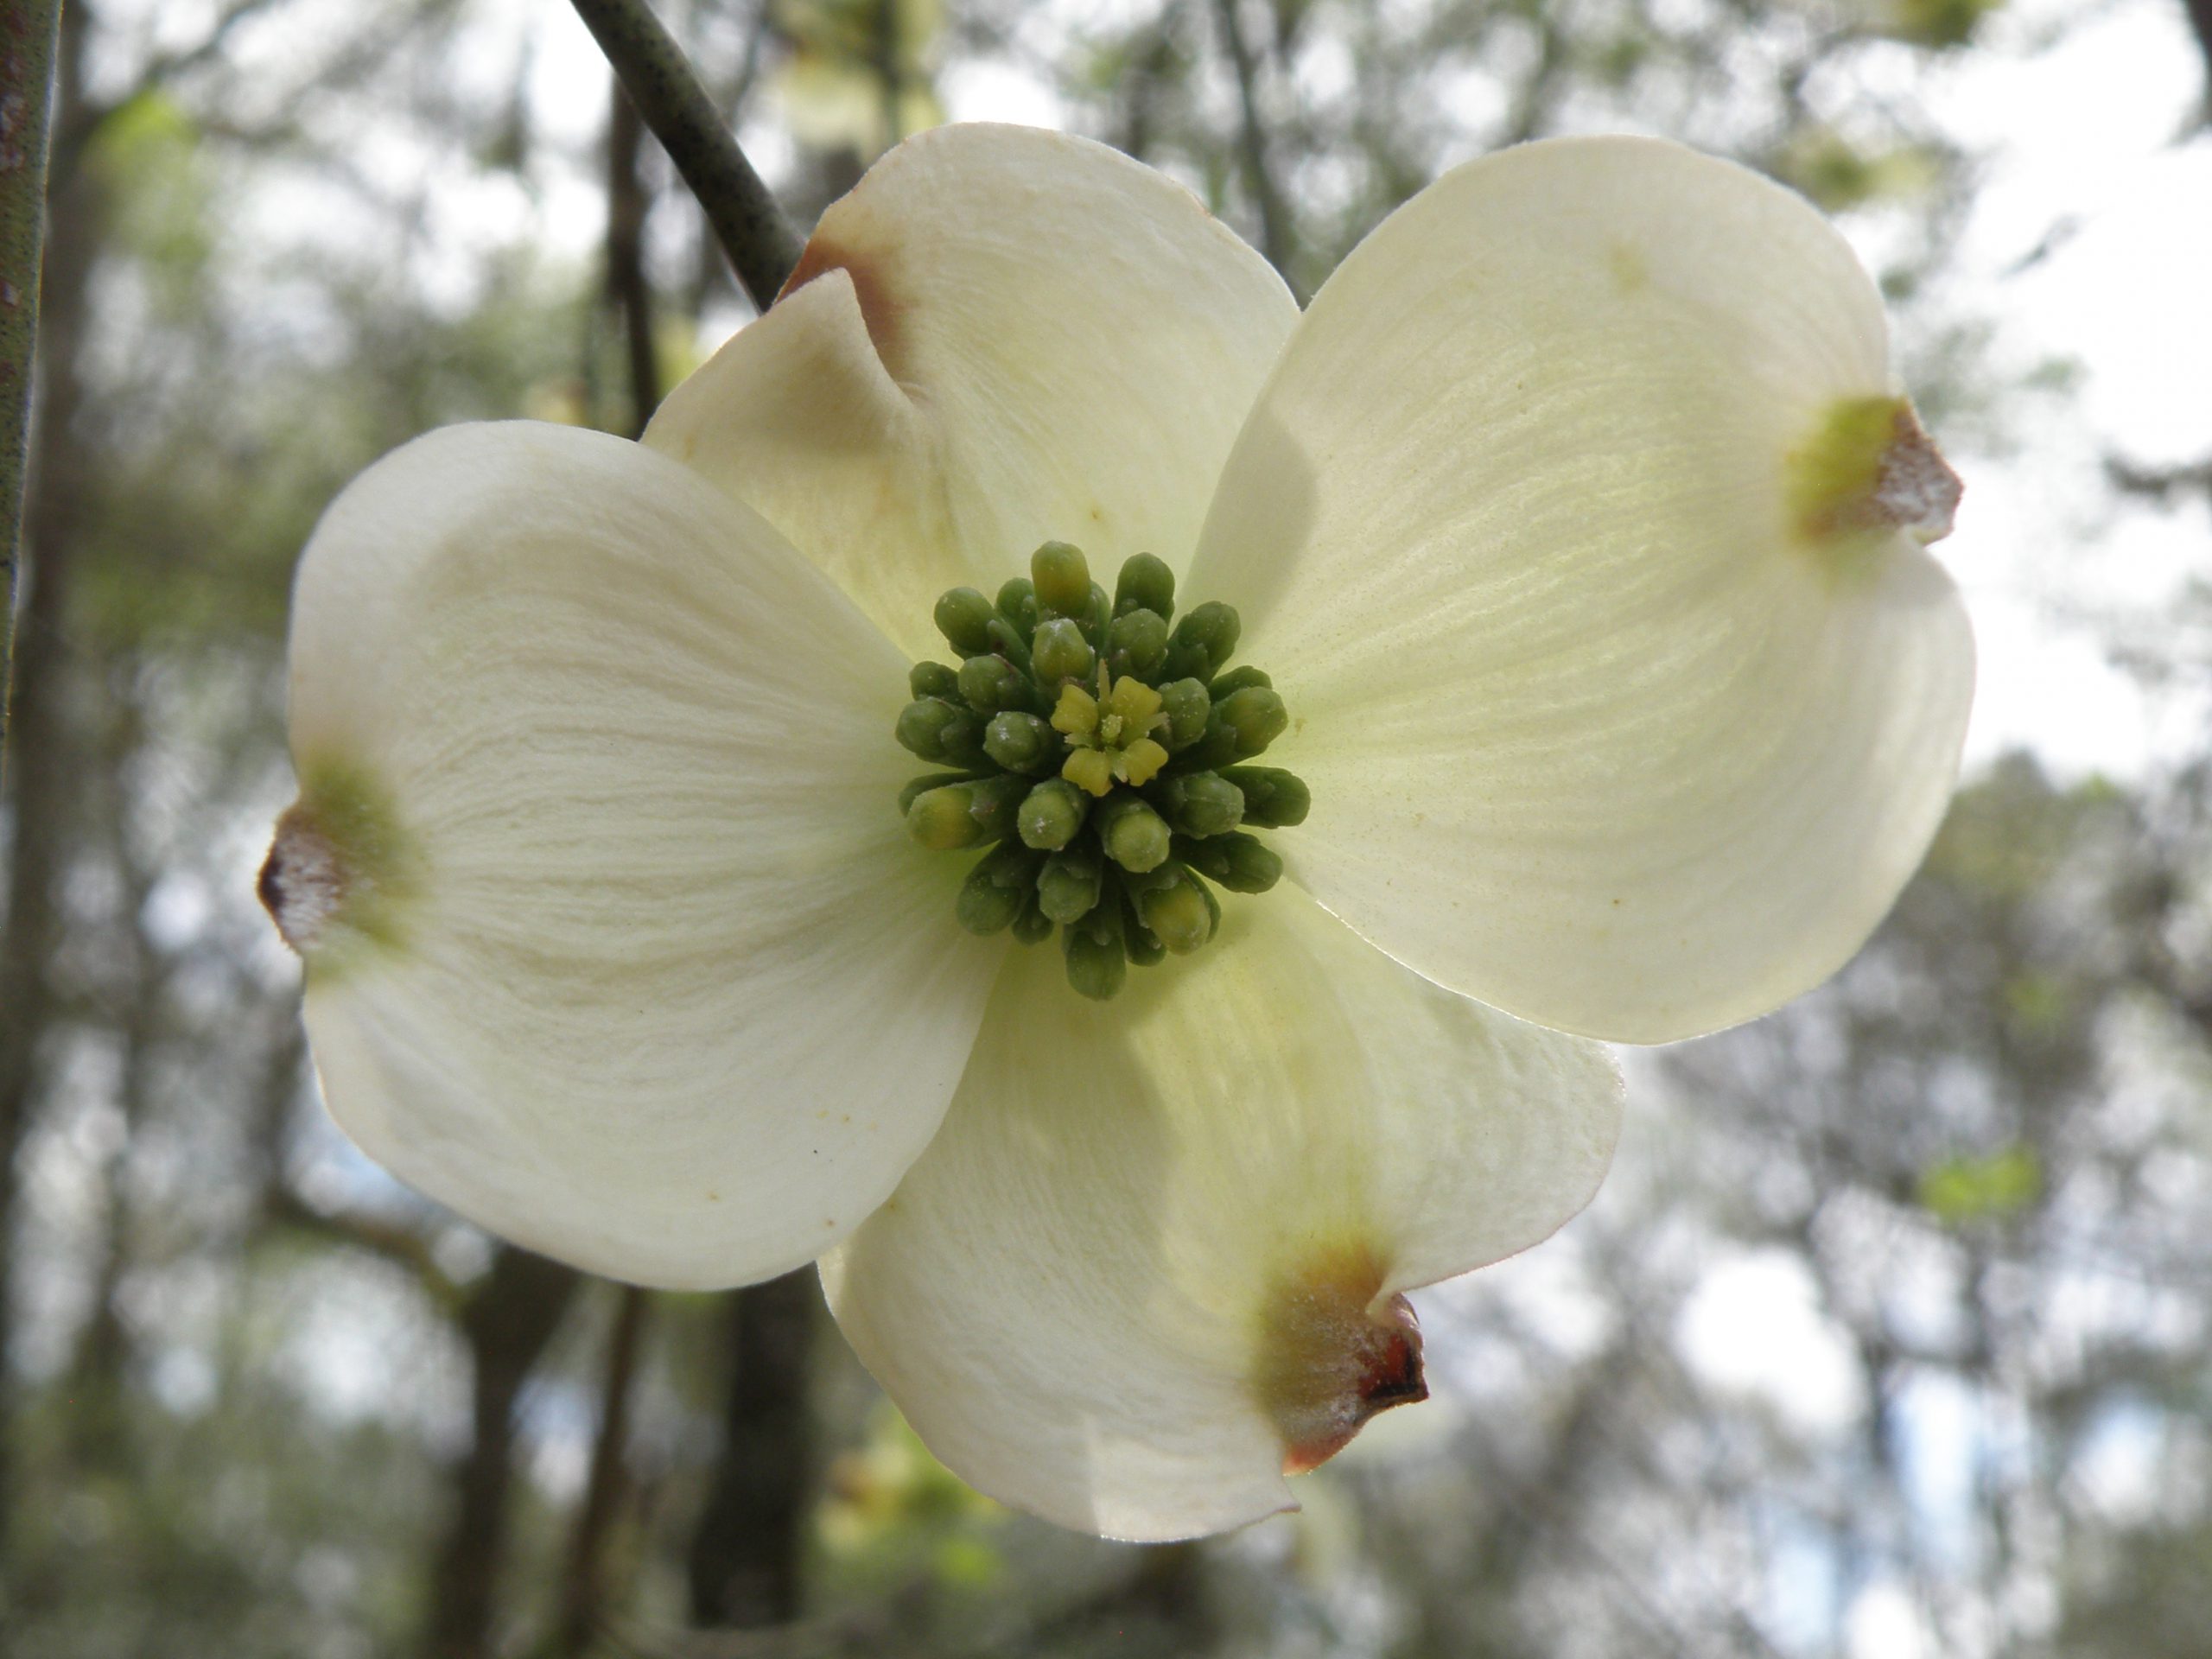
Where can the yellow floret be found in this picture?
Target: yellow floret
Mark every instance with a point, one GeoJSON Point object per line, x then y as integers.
{"type": "Point", "coordinates": [1089, 769]}
{"type": "Point", "coordinates": [1078, 712]}
{"type": "Point", "coordinates": [1142, 760]}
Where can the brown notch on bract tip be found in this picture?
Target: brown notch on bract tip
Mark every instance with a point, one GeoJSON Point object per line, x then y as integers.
{"type": "Point", "coordinates": [1327, 1365]}
{"type": "Point", "coordinates": [1917, 491]}
{"type": "Point", "coordinates": [1388, 1374]}
{"type": "Point", "coordinates": [303, 882]}
{"type": "Point", "coordinates": [1873, 467]}
{"type": "Point", "coordinates": [270, 884]}
{"type": "Point", "coordinates": [878, 310]}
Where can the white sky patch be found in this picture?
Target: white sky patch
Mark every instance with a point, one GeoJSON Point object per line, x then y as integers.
{"type": "Point", "coordinates": [1942, 1429]}
{"type": "Point", "coordinates": [1754, 1326]}
{"type": "Point", "coordinates": [1798, 1603]}
{"type": "Point", "coordinates": [1885, 1624]}
{"type": "Point", "coordinates": [2082, 165]}
{"type": "Point", "coordinates": [984, 89]}
{"type": "Point", "coordinates": [359, 1343]}
{"type": "Point", "coordinates": [569, 79]}
{"type": "Point", "coordinates": [2122, 1467]}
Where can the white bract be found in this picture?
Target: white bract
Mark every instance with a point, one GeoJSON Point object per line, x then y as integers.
{"type": "Point", "coordinates": [1578, 521]}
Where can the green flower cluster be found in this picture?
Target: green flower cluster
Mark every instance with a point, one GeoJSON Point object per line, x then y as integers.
{"type": "Point", "coordinates": [1099, 754]}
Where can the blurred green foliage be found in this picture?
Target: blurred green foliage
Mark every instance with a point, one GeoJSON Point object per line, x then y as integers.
{"type": "Point", "coordinates": [1962, 1190]}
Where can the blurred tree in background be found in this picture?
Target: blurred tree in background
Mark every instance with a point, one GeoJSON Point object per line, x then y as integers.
{"type": "Point", "coordinates": [1888, 1337]}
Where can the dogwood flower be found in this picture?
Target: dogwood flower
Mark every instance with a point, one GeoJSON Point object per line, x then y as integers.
{"type": "Point", "coordinates": [1578, 527]}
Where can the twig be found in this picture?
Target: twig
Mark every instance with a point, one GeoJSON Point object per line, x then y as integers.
{"type": "Point", "coordinates": [208, 46]}
{"type": "Point", "coordinates": [761, 244]}
{"type": "Point", "coordinates": [27, 32]}
{"type": "Point", "coordinates": [394, 1242]}
{"type": "Point", "coordinates": [628, 290]}
{"type": "Point", "coordinates": [73, 135]}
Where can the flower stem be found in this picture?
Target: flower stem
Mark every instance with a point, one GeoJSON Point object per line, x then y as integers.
{"type": "Point", "coordinates": [761, 244]}
{"type": "Point", "coordinates": [27, 38]}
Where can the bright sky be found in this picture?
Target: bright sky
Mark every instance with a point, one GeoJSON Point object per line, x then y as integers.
{"type": "Point", "coordinates": [2082, 142]}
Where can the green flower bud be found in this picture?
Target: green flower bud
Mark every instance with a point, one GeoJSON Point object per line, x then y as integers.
{"type": "Point", "coordinates": [1137, 643]}
{"type": "Point", "coordinates": [1097, 965]}
{"type": "Point", "coordinates": [1146, 584]}
{"type": "Point", "coordinates": [997, 889]}
{"type": "Point", "coordinates": [1032, 926]}
{"type": "Point", "coordinates": [1097, 618]}
{"type": "Point", "coordinates": [995, 803]}
{"type": "Point", "coordinates": [1212, 904]}
{"type": "Point", "coordinates": [1203, 642]}
{"type": "Point", "coordinates": [941, 731]}
{"type": "Point", "coordinates": [1068, 887]}
{"type": "Point", "coordinates": [1200, 803]}
{"type": "Point", "coordinates": [940, 820]}
{"type": "Point", "coordinates": [1213, 751]}
{"type": "Point", "coordinates": [1062, 578]}
{"type": "Point", "coordinates": [1255, 714]}
{"type": "Point", "coordinates": [1052, 814]}
{"type": "Point", "coordinates": [1236, 680]}
{"type": "Point", "coordinates": [963, 617]}
{"type": "Point", "coordinates": [933, 680]}
{"type": "Point", "coordinates": [965, 815]}
{"type": "Point", "coordinates": [1009, 643]}
{"type": "Point", "coordinates": [1060, 652]}
{"type": "Point", "coordinates": [929, 781]}
{"type": "Point", "coordinates": [1133, 835]}
{"type": "Point", "coordinates": [1176, 913]}
{"type": "Point", "coordinates": [992, 683]}
{"type": "Point", "coordinates": [1187, 706]}
{"type": "Point", "coordinates": [1144, 948]}
{"type": "Point", "coordinates": [1087, 750]}
{"type": "Point", "coordinates": [1240, 862]}
{"type": "Point", "coordinates": [1274, 798]}
{"type": "Point", "coordinates": [1018, 605]}
{"type": "Point", "coordinates": [1022, 742]}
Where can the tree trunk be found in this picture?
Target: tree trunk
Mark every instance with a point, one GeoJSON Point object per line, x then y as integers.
{"type": "Point", "coordinates": [507, 1323]}
{"type": "Point", "coordinates": [42, 776]}
{"type": "Point", "coordinates": [745, 1554]}
{"type": "Point", "coordinates": [584, 1596]}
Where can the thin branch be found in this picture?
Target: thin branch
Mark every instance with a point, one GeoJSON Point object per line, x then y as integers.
{"type": "Point", "coordinates": [208, 46]}
{"type": "Point", "coordinates": [761, 243]}
{"type": "Point", "coordinates": [281, 1206]}
{"type": "Point", "coordinates": [400, 1245]}
{"type": "Point", "coordinates": [2159, 484]}
{"type": "Point", "coordinates": [1276, 239]}
{"type": "Point", "coordinates": [628, 290]}
{"type": "Point", "coordinates": [72, 137]}
{"type": "Point", "coordinates": [29, 29]}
